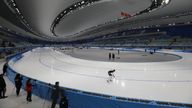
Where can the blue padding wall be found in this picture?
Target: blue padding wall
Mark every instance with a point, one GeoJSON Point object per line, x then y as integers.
{"type": "Point", "coordinates": [40, 89]}
{"type": "Point", "coordinates": [82, 99]}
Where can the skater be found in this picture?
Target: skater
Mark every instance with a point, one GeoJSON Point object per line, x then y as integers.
{"type": "Point", "coordinates": [55, 94]}
{"type": "Point", "coordinates": [29, 90]}
{"type": "Point", "coordinates": [118, 51]}
{"type": "Point", "coordinates": [63, 102]}
{"type": "Point", "coordinates": [111, 75]}
{"type": "Point", "coordinates": [2, 87]}
{"type": "Point", "coordinates": [109, 56]}
{"type": "Point", "coordinates": [4, 68]}
{"type": "Point", "coordinates": [113, 56]}
{"type": "Point", "coordinates": [18, 83]}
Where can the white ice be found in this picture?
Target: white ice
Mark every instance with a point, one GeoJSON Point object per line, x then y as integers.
{"type": "Point", "coordinates": [163, 81]}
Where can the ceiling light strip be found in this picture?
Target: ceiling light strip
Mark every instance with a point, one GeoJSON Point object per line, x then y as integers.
{"type": "Point", "coordinates": [71, 9]}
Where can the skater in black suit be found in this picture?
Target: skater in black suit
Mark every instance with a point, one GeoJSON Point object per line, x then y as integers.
{"type": "Point", "coordinates": [111, 75]}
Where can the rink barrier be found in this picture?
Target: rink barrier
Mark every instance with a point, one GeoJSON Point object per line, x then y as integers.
{"type": "Point", "coordinates": [82, 99]}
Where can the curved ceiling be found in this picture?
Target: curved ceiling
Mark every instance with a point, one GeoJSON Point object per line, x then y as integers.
{"type": "Point", "coordinates": [97, 14]}
{"type": "Point", "coordinates": [37, 17]}
{"type": "Point", "coordinates": [177, 11]}
{"type": "Point", "coordinates": [40, 14]}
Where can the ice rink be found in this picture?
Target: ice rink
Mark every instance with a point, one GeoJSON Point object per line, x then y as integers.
{"type": "Point", "coordinates": [156, 79]}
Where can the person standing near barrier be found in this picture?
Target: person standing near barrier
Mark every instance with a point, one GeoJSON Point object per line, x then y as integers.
{"type": "Point", "coordinates": [109, 56]}
{"type": "Point", "coordinates": [4, 68]}
{"type": "Point", "coordinates": [18, 83]}
{"type": "Point", "coordinates": [29, 90]}
{"type": "Point", "coordinates": [55, 94]}
{"type": "Point", "coordinates": [2, 87]}
{"type": "Point", "coordinates": [113, 56]}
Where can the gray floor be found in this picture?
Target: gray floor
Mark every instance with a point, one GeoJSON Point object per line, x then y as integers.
{"type": "Point", "coordinates": [123, 56]}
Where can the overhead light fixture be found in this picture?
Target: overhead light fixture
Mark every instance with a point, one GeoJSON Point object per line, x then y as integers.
{"type": "Point", "coordinates": [17, 10]}
{"type": "Point", "coordinates": [14, 4]}
{"type": "Point", "coordinates": [82, 2]}
{"type": "Point", "coordinates": [166, 1]}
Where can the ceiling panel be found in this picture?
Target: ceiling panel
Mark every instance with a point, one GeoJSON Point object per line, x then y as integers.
{"type": "Point", "coordinates": [41, 13]}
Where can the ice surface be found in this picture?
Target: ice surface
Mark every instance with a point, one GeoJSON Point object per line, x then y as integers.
{"type": "Point", "coordinates": [163, 81]}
